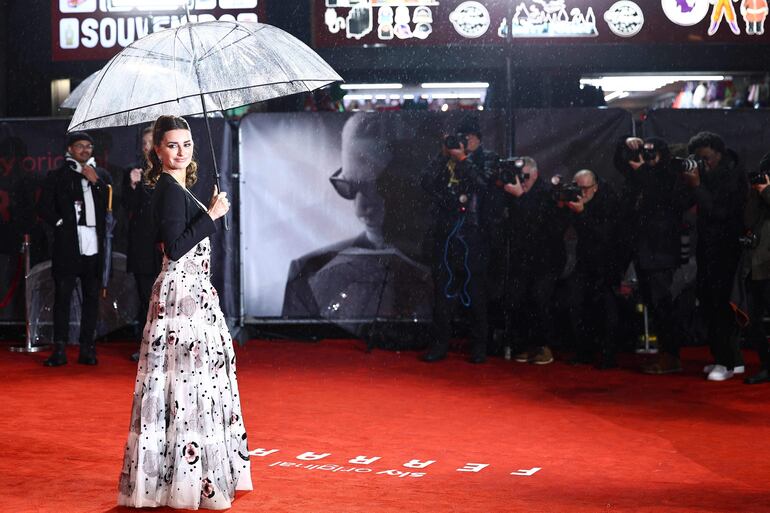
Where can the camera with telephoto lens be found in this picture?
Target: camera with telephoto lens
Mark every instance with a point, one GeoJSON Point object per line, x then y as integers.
{"type": "Point", "coordinates": [568, 192]}
{"type": "Point", "coordinates": [757, 177]}
{"type": "Point", "coordinates": [508, 170]}
{"type": "Point", "coordinates": [688, 165]}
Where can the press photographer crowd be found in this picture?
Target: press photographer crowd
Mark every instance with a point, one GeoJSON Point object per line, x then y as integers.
{"type": "Point", "coordinates": [490, 209]}
{"type": "Point", "coordinates": [541, 267]}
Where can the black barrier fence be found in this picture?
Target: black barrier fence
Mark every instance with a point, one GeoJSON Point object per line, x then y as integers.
{"type": "Point", "coordinates": [292, 233]}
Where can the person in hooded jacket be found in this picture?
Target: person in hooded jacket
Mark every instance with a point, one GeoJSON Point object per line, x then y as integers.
{"type": "Point", "coordinates": [720, 193]}
{"type": "Point", "coordinates": [654, 199]}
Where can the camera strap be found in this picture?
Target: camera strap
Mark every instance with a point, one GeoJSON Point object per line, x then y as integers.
{"type": "Point", "coordinates": [463, 294]}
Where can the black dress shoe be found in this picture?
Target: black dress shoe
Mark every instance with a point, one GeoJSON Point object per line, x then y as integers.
{"type": "Point", "coordinates": [87, 354]}
{"type": "Point", "coordinates": [58, 357]}
{"type": "Point", "coordinates": [762, 376]}
{"type": "Point", "coordinates": [433, 356]}
{"type": "Point", "coordinates": [87, 359]}
{"type": "Point", "coordinates": [56, 360]}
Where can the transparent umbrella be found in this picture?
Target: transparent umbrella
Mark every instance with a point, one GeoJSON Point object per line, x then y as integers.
{"type": "Point", "coordinates": [71, 101]}
{"type": "Point", "coordinates": [198, 68]}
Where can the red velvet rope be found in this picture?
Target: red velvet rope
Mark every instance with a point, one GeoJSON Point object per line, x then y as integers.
{"type": "Point", "coordinates": [14, 285]}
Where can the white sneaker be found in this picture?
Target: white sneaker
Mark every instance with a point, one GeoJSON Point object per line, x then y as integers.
{"type": "Point", "coordinates": [738, 369]}
{"type": "Point", "coordinates": [720, 373]}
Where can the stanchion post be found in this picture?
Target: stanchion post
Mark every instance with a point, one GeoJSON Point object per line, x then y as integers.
{"type": "Point", "coordinates": [28, 347]}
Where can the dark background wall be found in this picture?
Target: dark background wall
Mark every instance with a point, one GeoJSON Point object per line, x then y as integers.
{"type": "Point", "coordinates": [3, 68]}
{"type": "Point", "coordinates": [542, 74]}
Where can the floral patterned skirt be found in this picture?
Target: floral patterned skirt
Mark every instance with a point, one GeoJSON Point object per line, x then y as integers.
{"type": "Point", "coordinates": [186, 445]}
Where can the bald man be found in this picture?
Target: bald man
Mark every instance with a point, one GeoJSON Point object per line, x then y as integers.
{"type": "Point", "coordinates": [593, 309]}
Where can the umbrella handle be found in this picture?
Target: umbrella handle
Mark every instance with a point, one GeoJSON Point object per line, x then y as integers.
{"type": "Point", "coordinates": [109, 198]}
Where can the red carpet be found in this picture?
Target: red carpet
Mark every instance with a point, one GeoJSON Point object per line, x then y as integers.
{"type": "Point", "coordinates": [604, 441]}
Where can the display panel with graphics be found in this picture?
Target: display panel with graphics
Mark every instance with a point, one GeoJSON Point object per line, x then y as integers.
{"type": "Point", "coordinates": [335, 222]}
{"type": "Point", "coordinates": [98, 29]}
{"type": "Point", "coordinates": [501, 22]}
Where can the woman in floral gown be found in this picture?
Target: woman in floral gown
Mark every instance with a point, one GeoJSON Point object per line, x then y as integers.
{"type": "Point", "coordinates": [186, 445]}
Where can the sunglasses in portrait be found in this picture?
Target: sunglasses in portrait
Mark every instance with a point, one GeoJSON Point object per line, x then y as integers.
{"type": "Point", "coordinates": [349, 188]}
{"type": "Point", "coordinates": [81, 146]}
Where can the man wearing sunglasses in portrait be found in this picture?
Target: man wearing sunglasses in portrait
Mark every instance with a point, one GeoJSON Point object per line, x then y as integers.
{"type": "Point", "coordinates": [74, 203]}
{"type": "Point", "coordinates": [362, 277]}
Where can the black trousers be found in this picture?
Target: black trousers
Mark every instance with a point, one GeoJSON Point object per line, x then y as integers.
{"type": "Point", "coordinates": [655, 287]}
{"type": "Point", "coordinates": [449, 285]}
{"type": "Point", "coordinates": [593, 312]}
{"type": "Point", "coordinates": [64, 284]}
{"type": "Point", "coordinates": [759, 303]}
{"type": "Point", "coordinates": [529, 319]}
{"type": "Point", "coordinates": [714, 286]}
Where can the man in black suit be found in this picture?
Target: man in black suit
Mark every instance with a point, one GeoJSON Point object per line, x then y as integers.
{"type": "Point", "coordinates": [74, 203]}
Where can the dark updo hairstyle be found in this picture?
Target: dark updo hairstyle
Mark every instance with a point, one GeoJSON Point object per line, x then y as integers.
{"type": "Point", "coordinates": [162, 125]}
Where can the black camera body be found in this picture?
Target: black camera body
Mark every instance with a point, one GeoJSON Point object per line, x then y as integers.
{"type": "Point", "coordinates": [757, 177]}
{"type": "Point", "coordinates": [455, 142]}
{"type": "Point", "coordinates": [508, 170]}
{"type": "Point", "coordinates": [646, 152]}
{"type": "Point", "coordinates": [567, 192]}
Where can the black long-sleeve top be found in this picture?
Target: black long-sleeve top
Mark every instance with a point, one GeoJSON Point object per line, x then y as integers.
{"type": "Point", "coordinates": [653, 201]}
{"type": "Point", "coordinates": [143, 256]}
{"type": "Point", "coordinates": [180, 221]}
{"type": "Point", "coordinates": [595, 228]}
{"type": "Point", "coordinates": [721, 200]}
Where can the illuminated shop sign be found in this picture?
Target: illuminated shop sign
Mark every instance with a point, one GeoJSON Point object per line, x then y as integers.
{"type": "Point", "coordinates": [499, 22]}
{"type": "Point", "coordinates": [98, 29]}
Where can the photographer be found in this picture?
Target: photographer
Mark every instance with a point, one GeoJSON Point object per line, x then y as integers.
{"type": "Point", "coordinates": [720, 188]}
{"type": "Point", "coordinates": [757, 257]}
{"type": "Point", "coordinates": [593, 308]}
{"type": "Point", "coordinates": [459, 256]}
{"type": "Point", "coordinates": [485, 160]}
{"type": "Point", "coordinates": [653, 201]}
{"type": "Point", "coordinates": [537, 259]}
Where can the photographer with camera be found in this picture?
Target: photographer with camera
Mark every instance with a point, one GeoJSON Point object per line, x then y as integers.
{"type": "Point", "coordinates": [720, 187]}
{"type": "Point", "coordinates": [73, 202]}
{"type": "Point", "coordinates": [593, 308]}
{"type": "Point", "coordinates": [537, 258]}
{"type": "Point", "coordinates": [654, 199]}
{"type": "Point", "coordinates": [458, 189]}
{"type": "Point", "coordinates": [757, 263]}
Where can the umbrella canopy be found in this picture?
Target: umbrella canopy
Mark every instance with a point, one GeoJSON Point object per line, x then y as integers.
{"type": "Point", "coordinates": [116, 310]}
{"type": "Point", "coordinates": [199, 67]}
{"type": "Point", "coordinates": [71, 101]}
